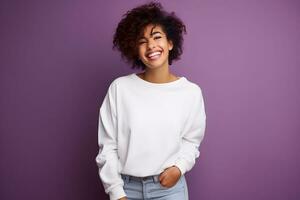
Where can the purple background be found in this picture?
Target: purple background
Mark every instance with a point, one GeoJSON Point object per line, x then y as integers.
{"type": "Point", "coordinates": [57, 62]}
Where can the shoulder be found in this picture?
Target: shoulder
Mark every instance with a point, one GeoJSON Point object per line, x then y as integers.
{"type": "Point", "coordinates": [197, 101]}
{"type": "Point", "coordinates": [119, 81]}
{"type": "Point", "coordinates": [194, 87]}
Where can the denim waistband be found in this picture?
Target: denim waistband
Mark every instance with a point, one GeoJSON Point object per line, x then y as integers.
{"type": "Point", "coordinates": [154, 178]}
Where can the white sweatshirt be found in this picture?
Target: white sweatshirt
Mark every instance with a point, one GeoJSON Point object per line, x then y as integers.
{"type": "Point", "coordinates": [145, 127]}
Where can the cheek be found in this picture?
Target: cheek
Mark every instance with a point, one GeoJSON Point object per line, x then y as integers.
{"type": "Point", "coordinates": [140, 51]}
{"type": "Point", "coordinates": [164, 45]}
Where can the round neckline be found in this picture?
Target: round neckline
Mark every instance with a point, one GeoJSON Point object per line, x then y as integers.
{"type": "Point", "coordinates": [158, 84]}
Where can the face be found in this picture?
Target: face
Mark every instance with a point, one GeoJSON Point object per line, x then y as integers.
{"type": "Point", "coordinates": [154, 47]}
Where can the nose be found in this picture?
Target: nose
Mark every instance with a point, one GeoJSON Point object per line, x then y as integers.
{"type": "Point", "coordinates": [151, 44]}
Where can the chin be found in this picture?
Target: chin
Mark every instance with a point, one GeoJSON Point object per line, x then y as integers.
{"type": "Point", "coordinates": [154, 65]}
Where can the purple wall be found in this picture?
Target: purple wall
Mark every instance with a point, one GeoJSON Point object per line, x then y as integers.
{"type": "Point", "coordinates": [57, 62]}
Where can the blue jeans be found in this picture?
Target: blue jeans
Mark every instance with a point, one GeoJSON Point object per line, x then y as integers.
{"type": "Point", "coordinates": [146, 188]}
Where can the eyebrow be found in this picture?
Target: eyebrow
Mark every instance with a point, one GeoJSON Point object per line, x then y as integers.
{"type": "Point", "coordinates": [142, 37]}
{"type": "Point", "coordinates": [155, 32]}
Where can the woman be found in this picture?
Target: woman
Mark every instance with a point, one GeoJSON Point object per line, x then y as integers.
{"type": "Point", "coordinates": [151, 124]}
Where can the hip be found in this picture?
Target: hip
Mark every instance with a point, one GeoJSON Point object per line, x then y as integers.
{"type": "Point", "coordinates": [150, 188]}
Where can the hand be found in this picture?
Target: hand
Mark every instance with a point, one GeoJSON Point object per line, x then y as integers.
{"type": "Point", "coordinates": [123, 198]}
{"type": "Point", "coordinates": [170, 176]}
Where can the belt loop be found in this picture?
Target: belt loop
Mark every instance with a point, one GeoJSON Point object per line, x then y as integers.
{"type": "Point", "coordinates": [126, 178]}
{"type": "Point", "coordinates": [155, 178]}
{"type": "Point", "coordinates": [129, 178]}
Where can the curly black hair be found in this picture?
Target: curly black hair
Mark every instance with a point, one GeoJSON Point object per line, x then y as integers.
{"type": "Point", "coordinates": [132, 25]}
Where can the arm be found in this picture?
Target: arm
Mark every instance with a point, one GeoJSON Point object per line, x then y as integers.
{"type": "Point", "coordinates": [107, 158]}
{"type": "Point", "coordinates": [192, 135]}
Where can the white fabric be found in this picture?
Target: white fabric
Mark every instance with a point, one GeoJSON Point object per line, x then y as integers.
{"type": "Point", "coordinates": [145, 127]}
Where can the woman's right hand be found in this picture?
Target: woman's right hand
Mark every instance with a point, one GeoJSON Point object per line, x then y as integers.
{"type": "Point", "coordinates": [123, 198]}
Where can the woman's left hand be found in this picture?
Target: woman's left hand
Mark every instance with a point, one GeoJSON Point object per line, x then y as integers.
{"type": "Point", "coordinates": [170, 176]}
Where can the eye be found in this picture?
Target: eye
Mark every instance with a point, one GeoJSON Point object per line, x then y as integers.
{"type": "Point", "coordinates": [157, 37]}
{"type": "Point", "coordinates": [142, 42]}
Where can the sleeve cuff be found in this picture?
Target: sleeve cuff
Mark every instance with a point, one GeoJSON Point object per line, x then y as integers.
{"type": "Point", "coordinates": [181, 165]}
{"type": "Point", "coordinates": [117, 193]}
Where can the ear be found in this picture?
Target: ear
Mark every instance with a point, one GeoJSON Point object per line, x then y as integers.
{"type": "Point", "coordinates": [170, 45]}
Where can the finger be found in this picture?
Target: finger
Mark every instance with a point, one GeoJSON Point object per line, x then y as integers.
{"type": "Point", "coordinates": [162, 176]}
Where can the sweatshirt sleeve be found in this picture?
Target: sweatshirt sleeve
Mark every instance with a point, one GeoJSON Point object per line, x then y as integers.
{"type": "Point", "coordinates": [107, 158]}
{"type": "Point", "coordinates": [192, 135]}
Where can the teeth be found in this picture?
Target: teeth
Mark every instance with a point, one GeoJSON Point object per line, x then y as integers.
{"type": "Point", "coordinates": [154, 54]}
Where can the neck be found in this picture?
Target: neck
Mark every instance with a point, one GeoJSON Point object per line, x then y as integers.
{"type": "Point", "coordinates": [158, 75]}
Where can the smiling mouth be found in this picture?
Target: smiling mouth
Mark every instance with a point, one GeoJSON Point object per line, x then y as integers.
{"type": "Point", "coordinates": [154, 55]}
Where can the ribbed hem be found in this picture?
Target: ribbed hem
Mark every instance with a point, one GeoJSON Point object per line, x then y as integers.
{"type": "Point", "coordinates": [181, 165]}
{"type": "Point", "coordinates": [117, 193]}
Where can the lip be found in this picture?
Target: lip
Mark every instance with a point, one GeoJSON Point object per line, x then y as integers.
{"type": "Point", "coordinates": [154, 54]}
